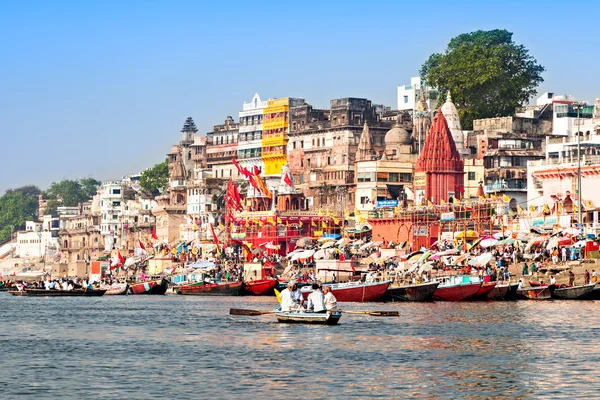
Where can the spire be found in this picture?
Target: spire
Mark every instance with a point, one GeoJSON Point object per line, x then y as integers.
{"type": "Point", "coordinates": [422, 106]}
{"type": "Point", "coordinates": [448, 97]}
{"type": "Point", "coordinates": [189, 126]}
{"type": "Point", "coordinates": [365, 146]}
{"type": "Point", "coordinates": [439, 152]}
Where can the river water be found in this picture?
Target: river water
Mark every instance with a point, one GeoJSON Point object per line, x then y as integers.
{"type": "Point", "coordinates": [184, 347]}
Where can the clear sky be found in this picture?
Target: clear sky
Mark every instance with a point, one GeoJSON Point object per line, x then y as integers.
{"type": "Point", "coordinates": [102, 88]}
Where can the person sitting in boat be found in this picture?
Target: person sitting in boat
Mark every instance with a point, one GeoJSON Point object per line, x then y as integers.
{"type": "Point", "coordinates": [297, 295]}
{"type": "Point", "coordinates": [552, 280]}
{"type": "Point", "coordinates": [329, 299]}
{"type": "Point", "coordinates": [316, 300]}
{"type": "Point", "coordinates": [288, 303]}
{"type": "Point", "coordinates": [520, 285]}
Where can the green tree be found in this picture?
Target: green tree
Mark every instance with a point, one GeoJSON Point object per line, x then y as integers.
{"type": "Point", "coordinates": [69, 193]}
{"type": "Point", "coordinates": [89, 186]}
{"type": "Point", "coordinates": [486, 72]}
{"type": "Point", "coordinates": [154, 180]}
{"type": "Point", "coordinates": [16, 208]}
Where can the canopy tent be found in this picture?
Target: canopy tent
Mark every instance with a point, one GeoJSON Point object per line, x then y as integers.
{"type": "Point", "coordinates": [303, 255]}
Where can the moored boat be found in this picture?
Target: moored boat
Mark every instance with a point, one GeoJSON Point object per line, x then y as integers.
{"type": "Point", "coordinates": [418, 292]}
{"type": "Point", "coordinates": [58, 293]}
{"type": "Point", "coordinates": [354, 291]}
{"type": "Point", "coordinates": [158, 286]}
{"type": "Point", "coordinates": [595, 295]}
{"type": "Point", "coordinates": [499, 292]}
{"type": "Point", "coordinates": [456, 288]}
{"type": "Point", "coordinates": [574, 292]}
{"type": "Point", "coordinates": [213, 289]}
{"type": "Point", "coordinates": [484, 290]}
{"type": "Point", "coordinates": [262, 287]}
{"type": "Point", "coordinates": [327, 318]}
{"type": "Point", "coordinates": [511, 293]}
{"type": "Point", "coordinates": [535, 293]}
{"type": "Point", "coordinates": [116, 289]}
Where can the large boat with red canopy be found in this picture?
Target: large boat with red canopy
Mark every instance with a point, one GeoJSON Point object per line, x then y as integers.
{"type": "Point", "coordinates": [354, 291]}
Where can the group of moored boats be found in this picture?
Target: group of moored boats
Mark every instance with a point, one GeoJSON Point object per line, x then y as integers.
{"type": "Point", "coordinates": [541, 291]}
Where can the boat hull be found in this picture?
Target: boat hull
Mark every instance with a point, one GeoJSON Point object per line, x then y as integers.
{"type": "Point", "coordinates": [484, 290]}
{"type": "Point", "coordinates": [263, 287]}
{"type": "Point", "coordinates": [59, 293]}
{"type": "Point", "coordinates": [213, 289]}
{"type": "Point", "coordinates": [498, 292]}
{"type": "Point", "coordinates": [355, 292]}
{"type": "Point", "coordinates": [458, 292]}
{"type": "Point", "coordinates": [118, 289]}
{"type": "Point", "coordinates": [535, 293]}
{"type": "Point", "coordinates": [421, 292]}
{"type": "Point", "coordinates": [158, 287]}
{"type": "Point", "coordinates": [574, 293]}
{"type": "Point", "coordinates": [329, 318]}
{"type": "Point", "coordinates": [511, 293]}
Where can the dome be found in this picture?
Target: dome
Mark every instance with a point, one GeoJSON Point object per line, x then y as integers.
{"type": "Point", "coordinates": [396, 136]}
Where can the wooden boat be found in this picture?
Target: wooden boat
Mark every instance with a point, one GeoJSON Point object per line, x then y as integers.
{"type": "Point", "coordinates": [354, 291]}
{"type": "Point", "coordinates": [535, 293]}
{"type": "Point", "coordinates": [499, 291]}
{"type": "Point", "coordinates": [328, 318]}
{"type": "Point", "coordinates": [456, 288]}
{"type": "Point", "coordinates": [261, 287]}
{"type": "Point", "coordinates": [58, 293]}
{"type": "Point", "coordinates": [511, 293]}
{"type": "Point", "coordinates": [419, 292]}
{"type": "Point", "coordinates": [116, 289]}
{"type": "Point", "coordinates": [213, 289]}
{"type": "Point", "coordinates": [484, 290]}
{"type": "Point", "coordinates": [595, 295]}
{"type": "Point", "coordinates": [158, 286]}
{"type": "Point", "coordinates": [574, 292]}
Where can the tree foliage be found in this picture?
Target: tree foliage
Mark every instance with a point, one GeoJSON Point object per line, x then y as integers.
{"type": "Point", "coordinates": [486, 72]}
{"type": "Point", "coordinates": [16, 207]}
{"type": "Point", "coordinates": [154, 180]}
{"type": "Point", "coordinates": [70, 193]}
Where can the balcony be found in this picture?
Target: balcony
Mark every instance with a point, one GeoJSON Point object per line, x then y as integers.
{"type": "Point", "coordinates": [509, 185]}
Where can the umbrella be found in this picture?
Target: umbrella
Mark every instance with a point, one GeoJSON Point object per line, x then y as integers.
{"type": "Point", "coordinates": [581, 243]}
{"type": "Point", "coordinates": [460, 247]}
{"type": "Point", "coordinates": [501, 235]}
{"type": "Point", "coordinates": [303, 255]}
{"type": "Point", "coordinates": [425, 256]}
{"type": "Point", "coordinates": [271, 246]}
{"type": "Point", "coordinates": [414, 255]}
{"type": "Point", "coordinates": [571, 231]}
{"type": "Point", "coordinates": [505, 241]}
{"type": "Point", "coordinates": [488, 242]}
{"type": "Point", "coordinates": [327, 245]}
{"type": "Point", "coordinates": [460, 258]}
{"type": "Point", "coordinates": [342, 242]}
{"type": "Point", "coordinates": [303, 242]}
{"type": "Point", "coordinates": [428, 266]}
{"type": "Point", "coordinates": [481, 260]}
{"type": "Point", "coordinates": [291, 253]}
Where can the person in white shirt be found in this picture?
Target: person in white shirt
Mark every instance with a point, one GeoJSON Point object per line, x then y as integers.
{"type": "Point", "coordinates": [297, 295]}
{"type": "Point", "coordinates": [316, 300]}
{"type": "Point", "coordinates": [287, 300]}
{"type": "Point", "coordinates": [552, 280]}
{"type": "Point", "coordinates": [329, 300]}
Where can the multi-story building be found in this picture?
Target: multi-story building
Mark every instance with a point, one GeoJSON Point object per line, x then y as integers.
{"type": "Point", "coordinates": [250, 135]}
{"type": "Point", "coordinates": [34, 242]}
{"type": "Point", "coordinates": [80, 237]}
{"type": "Point", "coordinates": [112, 198]}
{"type": "Point", "coordinates": [409, 95]}
{"type": "Point", "coordinates": [223, 147]}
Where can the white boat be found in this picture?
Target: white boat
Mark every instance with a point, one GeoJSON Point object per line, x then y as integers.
{"type": "Point", "coordinates": [116, 289]}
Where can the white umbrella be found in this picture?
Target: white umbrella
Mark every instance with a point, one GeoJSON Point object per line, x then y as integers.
{"type": "Point", "coordinates": [572, 231]}
{"type": "Point", "coordinates": [327, 245]}
{"type": "Point", "coordinates": [502, 235]}
{"type": "Point", "coordinates": [271, 246]}
{"type": "Point", "coordinates": [552, 243]}
{"type": "Point", "coordinates": [481, 260]}
{"type": "Point", "coordinates": [303, 255]}
{"type": "Point", "coordinates": [581, 243]}
{"type": "Point", "coordinates": [428, 266]}
{"type": "Point", "coordinates": [488, 242]}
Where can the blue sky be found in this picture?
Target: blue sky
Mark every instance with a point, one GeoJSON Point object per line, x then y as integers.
{"type": "Point", "coordinates": [102, 89]}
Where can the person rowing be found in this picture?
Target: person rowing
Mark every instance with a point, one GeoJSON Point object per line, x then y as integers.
{"type": "Point", "coordinates": [316, 300]}
{"type": "Point", "coordinates": [288, 303]}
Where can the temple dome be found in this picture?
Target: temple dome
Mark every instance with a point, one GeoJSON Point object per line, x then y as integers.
{"type": "Point", "coordinates": [396, 136]}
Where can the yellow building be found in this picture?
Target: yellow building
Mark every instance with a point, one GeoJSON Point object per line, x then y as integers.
{"type": "Point", "coordinates": [275, 135]}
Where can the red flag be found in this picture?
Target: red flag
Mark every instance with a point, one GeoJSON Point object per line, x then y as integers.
{"type": "Point", "coordinates": [256, 170]}
{"type": "Point", "coordinates": [142, 245]}
{"type": "Point", "coordinates": [121, 258]}
{"type": "Point", "coordinates": [154, 233]}
{"type": "Point", "coordinates": [235, 164]}
{"type": "Point", "coordinates": [353, 269]}
{"type": "Point", "coordinates": [216, 239]}
{"type": "Point", "coordinates": [287, 179]}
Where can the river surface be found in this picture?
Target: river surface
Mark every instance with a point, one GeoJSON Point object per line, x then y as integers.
{"type": "Point", "coordinates": [181, 347]}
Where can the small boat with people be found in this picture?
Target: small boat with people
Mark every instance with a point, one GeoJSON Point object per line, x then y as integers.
{"type": "Point", "coordinates": [416, 292]}
{"type": "Point", "coordinates": [327, 318]}
{"type": "Point", "coordinates": [58, 292]}
{"type": "Point", "coordinates": [456, 288]}
{"type": "Point", "coordinates": [157, 286]}
{"type": "Point", "coordinates": [535, 293]}
{"type": "Point", "coordinates": [354, 291]}
{"type": "Point", "coordinates": [213, 289]}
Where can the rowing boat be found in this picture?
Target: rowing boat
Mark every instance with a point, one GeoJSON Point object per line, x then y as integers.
{"type": "Point", "coordinates": [419, 292]}
{"type": "Point", "coordinates": [574, 292]}
{"type": "Point", "coordinates": [116, 289]}
{"type": "Point", "coordinates": [535, 293]}
{"type": "Point", "coordinates": [58, 293]}
{"type": "Point", "coordinates": [328, 318]}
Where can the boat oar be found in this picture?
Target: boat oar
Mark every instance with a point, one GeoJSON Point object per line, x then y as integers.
{"type": "Point", "coordinates": [241, 311]}
{"type": "Point", "coordinates": [374, 313]}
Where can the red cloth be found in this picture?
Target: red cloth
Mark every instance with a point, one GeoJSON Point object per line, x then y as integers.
{"type": "Point", "coordinates": [287, 179]}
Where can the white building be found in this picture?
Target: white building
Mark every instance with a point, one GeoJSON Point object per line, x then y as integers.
{"type": "Point", "coordinates": [111, 209]}
{"type": "Point", "coordinates": [34, 242]}
{"type": "Point", "coordinates": [409, 95]}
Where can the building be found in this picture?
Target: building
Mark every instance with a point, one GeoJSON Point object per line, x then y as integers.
{"type": "Point", "coordinates": [223, 147]}
{"type": "Point", "coordinates": [250, 136]}
{"type": "Point", "coordinates": [34, 242]}
{"type": "Point", "coordinates": [81, 240]}
{"type": "Point", "coordinates": [409, 95]}
{"type": "Point", "coordinates": [113, 195]}
{"type": "Point", "coordinates": [453, 119]}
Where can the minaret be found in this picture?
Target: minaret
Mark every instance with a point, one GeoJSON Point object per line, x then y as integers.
{"type": "Point", "coordinates": [365, 150]}
{"type": "Point", "coordinates": [440, 166]}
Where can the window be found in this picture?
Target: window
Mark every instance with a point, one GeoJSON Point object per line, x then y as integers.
{"type": "Point", "coordinates": [471, 175]}
{"type": "Point", "coordinates": [302, 144]}
{"type": "Point", "coordinates": [328, 160]}
{"type": "Point", "coordinates": [364, 200]}
{"type": "Point", "coordinates": [405, 99]}
{"type": "Point", "coordinates": [394, 177]}
{"type": "Point", "coordinates": [308, 162]}
{"type": "Point", "coordinates": [116, 191]}
{"type": "Point", "coordinates": [405, 177]}
{"type": "Point", "coordinates": [301, 163]}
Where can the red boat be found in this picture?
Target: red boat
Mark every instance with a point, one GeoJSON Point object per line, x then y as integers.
{"type": "Point", "coordinates": [158, 286]}
{"type": "Point", "coordinates": [484, 290]}
{"type": "Point", "coordinates": [354, 291]}
{"type": "Point", "coordinates": [456, 288]}
{"type": "Point", "coordinates": [213, 289]}
{"type": "Point", "coordinates": [262, 287]}
{"type": "Point", "coordinates": [259, 280]}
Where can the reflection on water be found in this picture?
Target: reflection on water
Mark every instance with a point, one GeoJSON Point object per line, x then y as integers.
{"type": "Point", "coordinates": [189, 347]}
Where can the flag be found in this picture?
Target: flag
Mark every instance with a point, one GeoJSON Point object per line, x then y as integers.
{"type": "Point", "coordinates": [236, 165]}
{"type": "Point", "coordinates": [575, 208]}
{"type": "Point", "coordinates": [481, 198]}
{"type": "Point", "coordinates": [336, 221]}
{"type": "Point", "coordinates": [324, 224]}
{"type": "Point", "coordinates": [215, 238]}
{"type": "Point", "coordinates": [519, 210]}
{"type": "Point", "coordinates": [142, 245]}
{"type": "Point", "coordinates": [442, 202]}
{"type": "Point", "coordinates": [429, 203]}
{"type": "Point", "coordinates": [154, 233]}
{"type": "Point", "coordinates": [313, 223]}
{"type": "Point", "coordinates": [546, 208]}
{"type": "Point", "coordinates": [559, 208]}
{"type": "Point", "coordinates": [121, 258]}
{"type": "Point", "coordinates": [505, 198]}
{"type": "Point", "coordinates": [320, 212]}
{"type": "Point", "coordinates": [300, 224]}
{"type": "Point", "coordinates": [532, 208]}
{"type": "Point", "coordinates": [287, 180]}
{"type": "Point", "coordinates": [278, 220]}
{"type": "Point", "coordinates": [353, 269]}
{"type": "Point", "coordinates": [256, 171]}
